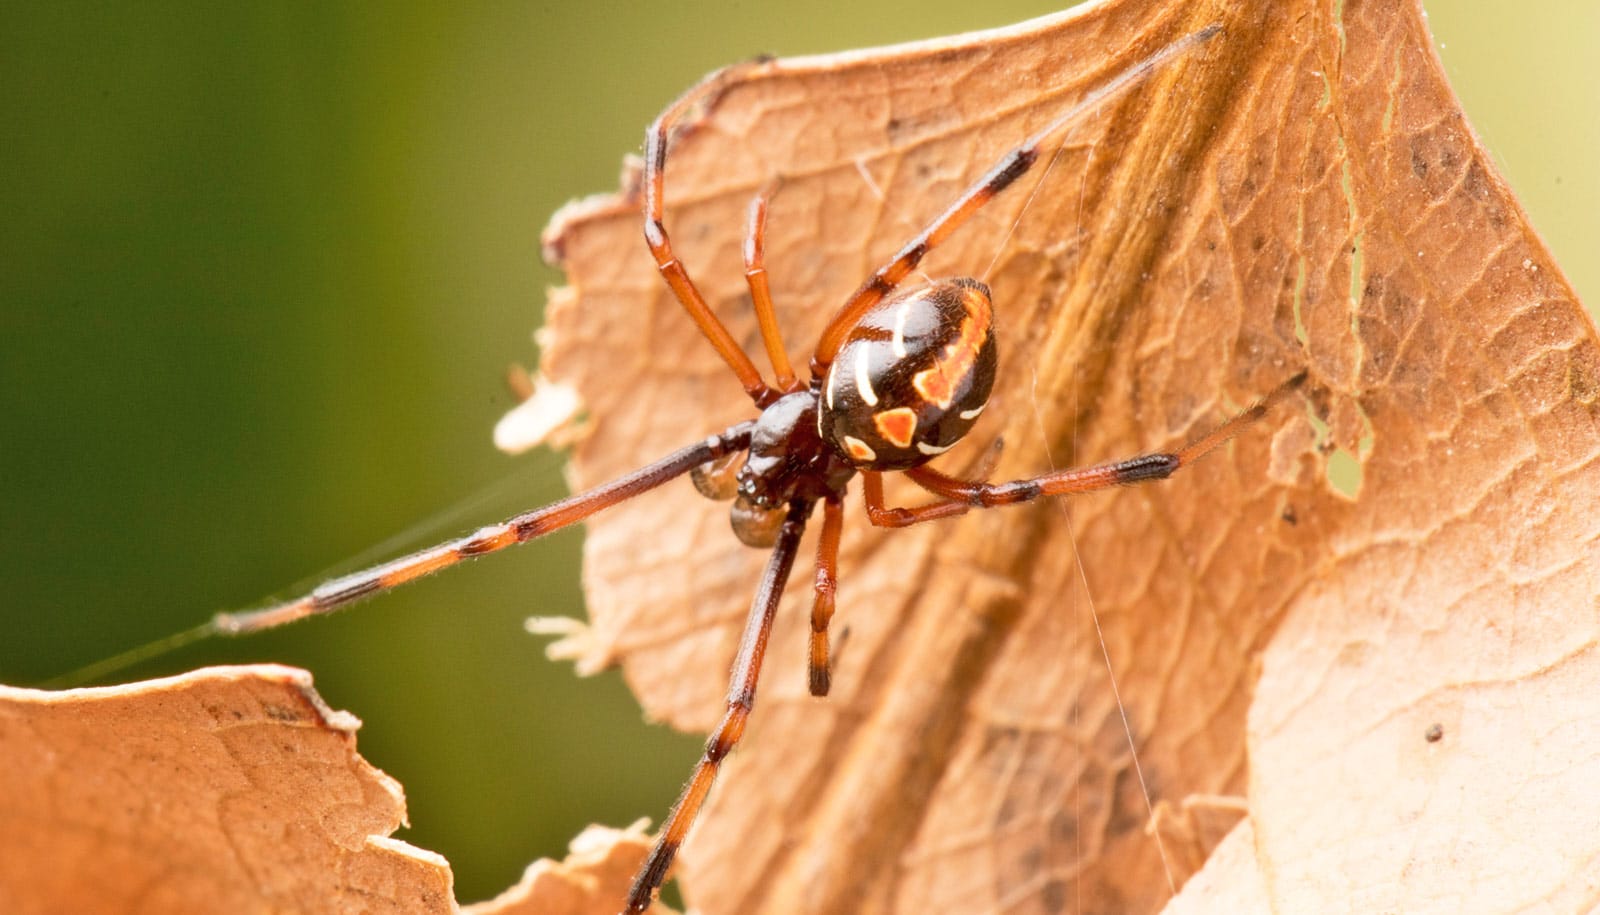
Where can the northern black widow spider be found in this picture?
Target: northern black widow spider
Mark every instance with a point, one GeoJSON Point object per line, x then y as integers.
{"type": "Point", "coordinates": [896, 378]}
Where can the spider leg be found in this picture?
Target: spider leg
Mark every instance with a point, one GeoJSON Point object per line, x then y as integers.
{"type": "Point", "coordinates": [881, 515]}
{"type": "Point", "coordinates": [818, 667]}
{"type": "Point", "coordinates": [519, 529]}
{"type": "Point", "coordinates": [755, 273]}
{"type": "Point", "coordinates": [741, 699]}
{"type": "Point", "coordinates": [672, 270]}
{"type": "Point", "coordinates": [1011, 166]}
{"type": "Point", "coordinates": [958, 496]}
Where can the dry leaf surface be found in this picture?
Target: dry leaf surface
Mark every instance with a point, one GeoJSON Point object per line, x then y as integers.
{"type": "Point", "coordinates": [234, 789]}
{"type": "Point", "coordinates": [586, 883]}
{"type": "Point", "coordinates": [1302, 192]}
{"type": "Point", "coordinates": [223, 790]}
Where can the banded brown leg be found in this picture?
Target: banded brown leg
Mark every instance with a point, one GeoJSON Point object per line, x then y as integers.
{"type": "Point", "coordinates": [672, 270]}
{"type": "Point", "coordinates": [519, 529]}
{"type": "Point", "coordinates": [819, 668]}
{"type": "Point", "coordinates": [959, 496]}
{"type": "Point", "coordinates": [1011, 166]}
{"type": "Point", "coordinates": [741, 699]}
{"type": "Point", "coordinates": [755, 274]}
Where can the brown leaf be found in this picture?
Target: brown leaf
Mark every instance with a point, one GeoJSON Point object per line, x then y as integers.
{"type": "Point", "coordinates": [1409, 742]}
{"type": "Point", "coordinates": [234, 789]}
{"type": "Point", "coordinates": [1302, 192]}
{"type": "Point", "coordinates": [224, 790]}
{"type": "Point", "coordinates": [586, 883]}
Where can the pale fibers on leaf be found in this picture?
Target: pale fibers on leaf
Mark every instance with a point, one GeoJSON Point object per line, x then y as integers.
{"type": "Point", "coordinates": [1300, 192]}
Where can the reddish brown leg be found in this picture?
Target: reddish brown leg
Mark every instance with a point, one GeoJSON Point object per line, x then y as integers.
{"type": "Point", "coordinates": [958, 496]}
{"type": "Point", "coordinates": [672, 270]}
{"type": "Point", "coordinates": [882, 516]}
{"type": "Point", "coordinates": [741, 699]}
{"type": "Point", "coordinates": [1012, 166]}
{"type": "Point", "coordinates": [755, 273]}
{"type": "Point", "coordinates": [818, 667]}
{"type": "Point", "coordinates": [519, 529]}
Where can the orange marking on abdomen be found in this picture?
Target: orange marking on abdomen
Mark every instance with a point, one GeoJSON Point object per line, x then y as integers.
{"type": "Point", "coordinates": [937, 382]}
{"type": "Point", "coordinates": [896, 426]}
{"type": "Point", "coordinates": [859, 450]}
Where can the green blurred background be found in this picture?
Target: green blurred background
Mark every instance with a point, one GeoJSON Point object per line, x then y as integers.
{"type": "Point", "coordinates": [264, 266]}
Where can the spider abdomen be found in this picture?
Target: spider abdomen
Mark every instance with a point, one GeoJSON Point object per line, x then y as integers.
{"type": "Point", "coordinates": [911, 377]}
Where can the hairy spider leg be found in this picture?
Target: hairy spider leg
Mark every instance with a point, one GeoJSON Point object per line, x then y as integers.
{"type": "Point", "coordinates": [521, 528]}
{"type": "Point", "coordinates": [1011, 166]}
{"type": "Point", "coordinates": [741, 699]}
{"type": "Point", "coordinates": [755, 274]}
{"type": "Point", "coordinates": [957, 496]}
{"type": "Point", "coordinates": [819, 670]}
{"type": "Point", "coordinates": [672, 270]}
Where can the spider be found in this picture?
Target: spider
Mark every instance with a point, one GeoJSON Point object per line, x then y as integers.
{"type": "Point", "coordinates": [898, 376]}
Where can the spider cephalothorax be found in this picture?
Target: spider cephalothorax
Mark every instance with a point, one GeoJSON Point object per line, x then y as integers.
{"type": "Point", "coordinates": [787, 461]}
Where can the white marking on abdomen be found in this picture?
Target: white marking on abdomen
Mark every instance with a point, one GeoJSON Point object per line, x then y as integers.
{"type": "Point", "coordinates": [899, 340]}
{"type": "Point", "coordinates": [863, 383]}
{"type": "Point", "coordinates": [926, 448]}
{"type": "Point", "coordinates": [966, 414]}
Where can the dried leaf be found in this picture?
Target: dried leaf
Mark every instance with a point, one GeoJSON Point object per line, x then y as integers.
{"type": "Point", "coordinates": [1397, 679]}
{"type": "Point", "coordinates": [586, 883]}
{"type": "Point", "coordinates": [224, 790]}
{"type": "Point", "coordinates": [1303, 192]}
{"type": "Point", "coordinates": [234, 789]}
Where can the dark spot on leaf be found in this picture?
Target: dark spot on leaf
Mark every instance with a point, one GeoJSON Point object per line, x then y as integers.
{"type": "Point", "coordinates": [1053, 896]}
{"type": "Point", "coordinates": [1063, 826]}
{"type": "Point", "coordinates": [1006, 813]}
{"type": "Point", "coordinates": [1031, 859]}
{"type": "Point", "coordinates": [1128, 811]}
{"type": "Point", "coordinates": [280, 713]}
{"type": "Point", "coordinates": [1448, 159]}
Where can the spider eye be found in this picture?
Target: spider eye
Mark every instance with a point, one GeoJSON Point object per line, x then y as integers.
{"type": "Point", "coordinates": [756, 526]}
{"type": "Point", "coordinates": [718, 479]}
